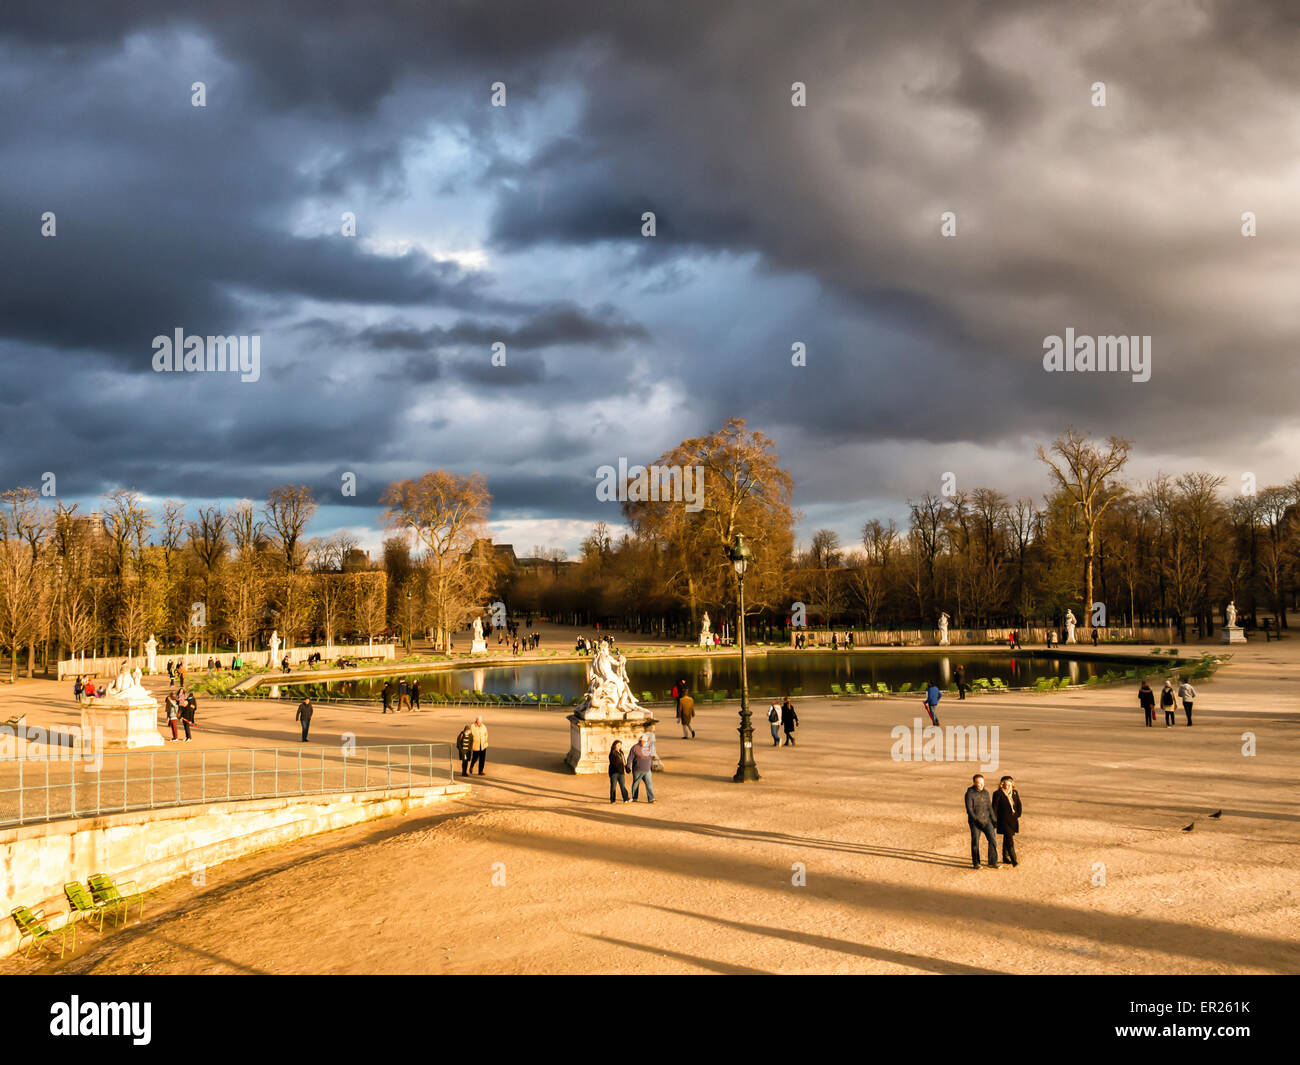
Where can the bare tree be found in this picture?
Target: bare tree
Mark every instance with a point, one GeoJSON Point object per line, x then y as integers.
{"type": "Point", "coordinates": [1086, 474]}
{"type": "Point", "coordinates": [288, 510]}
{"type": "Point", "coordinates": [447, 515]}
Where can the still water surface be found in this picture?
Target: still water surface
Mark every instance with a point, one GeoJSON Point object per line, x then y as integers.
{"type": "Point", "coordinates": [776, 674]}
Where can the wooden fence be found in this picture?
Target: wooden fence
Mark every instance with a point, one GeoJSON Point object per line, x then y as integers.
{"type": "Point", "coordinates": [976, 637]}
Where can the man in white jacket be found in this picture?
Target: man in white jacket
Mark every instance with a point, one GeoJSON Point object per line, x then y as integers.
{"type": "Point", "coordinates": [1186, 693]}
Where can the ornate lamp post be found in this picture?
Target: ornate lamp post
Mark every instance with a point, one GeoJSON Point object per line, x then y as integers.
{"type": "Point", "coordinates": [408, 624]}
{"type": "Point", "coordinates": [746, 770]}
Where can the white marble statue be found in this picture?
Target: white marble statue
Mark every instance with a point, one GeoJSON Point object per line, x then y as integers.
{"type": "Point", "coordinates": [943, 629]}
{"type": "Point", "coordinates": [1232, 633]}
{"type": "Point", "coordinates": [151, 655]}
{"type": "Point", "coordinates": [275, 646]}
{"type": "Point", "coordinates": [608, 692]}
{"type": "Point", "coordinates": [125, 689]}
{"type": "Point", "coordinates": [478, 629]}
{"type": "Point", "coordinates": [706, 632]}
{"type": "Point", "coordinates": [1070, 622]}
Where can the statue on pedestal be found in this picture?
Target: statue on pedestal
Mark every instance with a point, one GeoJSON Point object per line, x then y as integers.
{"type": "Point", "coordinates": [943, 629]}
{"type": "Point", "coordinates": [151, 655]}
{"type": "Point", "coordinates": [706, 632]}
{"type": "Point", "coordinates": [1070, 622]}
{"type": "Point", "coordinates": [607, 713]}
{"type": "Point", "coordinates": [275, 646]}
{"type": "Point", "coordinates": [1232, 632]}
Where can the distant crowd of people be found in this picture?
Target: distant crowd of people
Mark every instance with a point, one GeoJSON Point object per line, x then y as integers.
{"type": "Point", "coordinates": [407, 696]}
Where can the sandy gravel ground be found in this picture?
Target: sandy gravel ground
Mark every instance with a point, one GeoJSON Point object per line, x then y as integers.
{"type": "Point", "coordinates": [842, 859]}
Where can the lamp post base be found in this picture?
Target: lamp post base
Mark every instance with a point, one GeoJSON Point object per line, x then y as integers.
{"type": "Point", "coordinates": [746, 769]}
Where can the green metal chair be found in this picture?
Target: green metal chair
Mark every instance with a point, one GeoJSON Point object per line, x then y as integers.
{"type": "Point", "coordinates": [647, 697]}
{"type": "Point", "coordinates": [882, 688]}
{"type": "Point", "coordinates": [836, 690]}
{"type": "Point", "coordinates": [906, 686]}
{"type": "Point", "coordinates": [32, 926]}
{"type": "Point", "coordinates": [850, 689]}
{"type": "Point", "coordinates": [105, 892]}
{"type": "Point", "coordinates": [84, 905]}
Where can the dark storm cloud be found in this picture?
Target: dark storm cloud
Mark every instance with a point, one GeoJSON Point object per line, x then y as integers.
{"type": "Point", "coordinates": [774, 225]}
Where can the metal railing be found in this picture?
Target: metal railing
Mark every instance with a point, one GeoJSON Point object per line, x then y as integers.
{"type": "Point", "coordinates": [58, 788]}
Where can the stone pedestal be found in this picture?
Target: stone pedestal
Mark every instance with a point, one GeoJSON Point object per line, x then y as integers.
{"type": "Point", "coordinates": [590, 740]}
{"type": "Point", "coordinates": [479, 647]}
{"type": "Point", "coordinates": [1233, 634]}
{"type": "Point", "coordinates": [130, 725]}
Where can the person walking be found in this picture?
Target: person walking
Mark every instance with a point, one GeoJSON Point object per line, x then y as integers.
{"type": "Point", "coordinates": [173, 714]}
{"type": "Point", "coordinates": [188, 712]}
{"type": "Point", "coordinates": [789, 721]}
{"type": "Point", "coordinates": [617, 770]}
{"type": "Point", "coordinates": [304, 715]}
{"type": "Point", "coordinates": [403, 695]}
{"type": "Point", "coordinates": [479, 747]}
{"type": "Point", "coordinates": [686, 711]}
{"type": "Point", "coordinates": [959, 675]}
{"type": "Point", "coordinates": [1167, 703]}
{"type": "Point", "coordinates": [1147, 700]}
{"type": "Point", "coordinates": [78, 690]}
{"type": "Point", "coordinates": [979, 816]}
{"type": "Point", "coordinates": [1006, 816]}
{"type": "Point", "coordinates": [465, 748]}
{"type": "Point", "coordinates": [932, 697]}
{"type": "Point", "coordinates": [387, 695]}
{"type": "Point", "coordinates": [642, 763]}
{"type": "Point", "coordinates": [677, 701]}
{"type": "Point", "coordinates": [774, 719]}
{"type": "Point", "coordinates": [1095, 637]}
{"type": "Point", "coordinates": [415, 695]}
{"type": "Point", "coordinates": [1186, 693]}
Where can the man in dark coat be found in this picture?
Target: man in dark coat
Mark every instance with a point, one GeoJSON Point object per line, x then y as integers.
{"type": "Point", "coordinates": [387, 694]}
{"type": "Point", "coordinates": [1006, 815]}
{"type": "Point", "coordinates": [188, 713]}
{"type": "Point", "coordinates": [304, 715]}
{"type": "Point", "coordinates": [979, 815]}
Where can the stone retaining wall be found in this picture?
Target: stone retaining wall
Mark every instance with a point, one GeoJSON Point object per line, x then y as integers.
{"type": "Point", "coordinates": [153, 847]}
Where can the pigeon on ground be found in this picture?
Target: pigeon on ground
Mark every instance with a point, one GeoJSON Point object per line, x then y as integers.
{"type": "Point", "coordinates": [1217, 814]}
{"type": "Point", "coordinates": [1190, 827]}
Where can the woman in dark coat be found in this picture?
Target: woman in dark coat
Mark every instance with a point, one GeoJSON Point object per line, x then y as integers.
{"type": "Point", "coordinates": [617, 767]}
{"type": "Point", "coordinates": [1147, 700]}
{"type": "Point", "coordinates": [1006, 816]}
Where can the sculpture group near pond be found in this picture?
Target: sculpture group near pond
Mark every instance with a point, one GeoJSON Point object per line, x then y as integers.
{"type": "Point", "coordinates": [609, 695]}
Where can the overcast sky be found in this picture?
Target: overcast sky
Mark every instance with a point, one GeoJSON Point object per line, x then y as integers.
{"type": "Point", "coordinates": [522, 224]}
